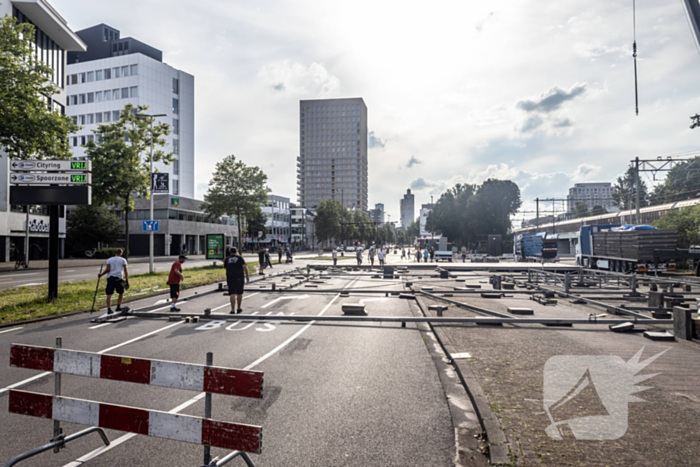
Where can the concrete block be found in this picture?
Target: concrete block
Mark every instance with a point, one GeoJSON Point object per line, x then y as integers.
{"type": "Point", "coordinates": [460, 280]}
{"type": "Point", "coordinates": [623, 327]}
{"type": "Point", "coordinates": [311, 285]}
{"type": "Point", "coordinates": [659, 336]}
{"type": "Point", "coordinates": [508, 286]}
{"type": "Point", "coordinates": [520, 311]}
{"type": "Point", "coordinates": [437, 307]}
{"type": "Point", "coordinates": [344, 294]}
{"type": "Point", "coordinates": [447, 295]}
{"type": "Point", "coordinates": [355, 309]}
{"type": "Point", "coordinates": [407, 296]}
{"type": "Point", "coordinates": [444, 274]}
{"type": "Point", "coordinates": [661, 315]}
{"type": "Point", "coordinates": [427, 289]}
{"type": "Point", "coordinates": [559, 325]}
{"type": "Point", "coordinates": [683, 323]}
{"type": "Point", "coordinates": [472, 286]}
{"type": "Point", "coordinates": [491, 295]}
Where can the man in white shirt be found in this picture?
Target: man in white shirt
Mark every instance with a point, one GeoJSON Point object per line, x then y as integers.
{"type": "Point", "coordinates": [380, 255]}
{"type": "Point", "coordinates": [335, 256]}
{"type": "Point", "coordinates": [115, 264]}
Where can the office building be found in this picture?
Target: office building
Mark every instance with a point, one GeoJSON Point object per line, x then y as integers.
{"type": "Point", "coordinates": [303, 228]}
{"type": "Point", "coordinates": [116, 71]}
{"type": "Point", "coordinates": [279, 219]}
{"type": "Point", "coordinates": [593, 194]}
{"type": "Point", "coordinates": [332, 162]}
{"type": "Point", "coordinates": [53, 40]}
{"type": "Point", "coordinates": [377, 214]}
{"type": "Point", "coordinates": [425, 210]}
{"type": "Point", "coordinates": [407, 210]}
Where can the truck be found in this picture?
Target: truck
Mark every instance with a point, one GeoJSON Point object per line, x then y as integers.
{"type": "Point", "coordinates": [535, 247]}
{"type": "Point", "coordinates": [624, 248]}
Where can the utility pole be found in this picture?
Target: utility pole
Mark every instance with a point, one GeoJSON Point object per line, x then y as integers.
{"type": "Point", "coordinates": [537, 219]}
{"type": "Point", "coordinates": [151, 233]}
{"type": "Point", "coordinates": [636, 187]}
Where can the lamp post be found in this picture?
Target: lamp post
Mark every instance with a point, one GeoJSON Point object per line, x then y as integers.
{"type": "Point", "coordinates": [150, 191]}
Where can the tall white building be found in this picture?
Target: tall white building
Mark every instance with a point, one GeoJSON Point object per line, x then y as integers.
{"type": "Point", "coordinates": [332, 162]}
{"type": "Point", "coordinates": [592, 194]}
{"type": "Point", "coordinates": [52, 40]}
{"type": "Point", "coordinates": [116, 71]}
{"type": "Point", "coordinates": [408, 210]}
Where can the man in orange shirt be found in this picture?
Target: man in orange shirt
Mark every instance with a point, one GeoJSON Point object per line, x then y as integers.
{"type": "Point", "coordinates": [174, 280]}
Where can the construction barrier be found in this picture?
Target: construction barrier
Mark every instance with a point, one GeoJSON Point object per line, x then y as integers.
{"type": "Point", "coordinates": [241, 438]}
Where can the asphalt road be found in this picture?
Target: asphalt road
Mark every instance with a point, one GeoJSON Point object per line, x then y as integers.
{"type": "Point", "coordinates": [333, 394]}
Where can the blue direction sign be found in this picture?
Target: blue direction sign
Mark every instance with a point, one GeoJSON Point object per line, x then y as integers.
{"type": "Point", "coordinates": [150, 226]}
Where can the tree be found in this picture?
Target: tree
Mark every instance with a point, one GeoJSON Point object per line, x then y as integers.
{"type": "Point", "coordinates": [92, 224]}
{"type": "Point", "coordinates": [413, 231]}
{"type": "Point", "coordinates": [598, 210]}
{"type": "Point", "coordinates": [448, 216]}
{"type": "Point", "coordinates": [624, 194]}
{"type": "Point", "coordinates": [119, 169]}
{"type": "Point", "coordinates": [255, 223]}
{"type": "Point", "coordinates": [681, 182]}
{"type": "Point", "coordinates": [581, 209]}
{"type": "Point", "coordinates": [490, 208]}
{"type": "Point", "coordinates": [29, 126]}
{"type": "Point", "coordinates": [329, 215]}
{"type": "Point", "coordinates": [236, 190]}
{"type": "Point", "coordinates": [686, 221]}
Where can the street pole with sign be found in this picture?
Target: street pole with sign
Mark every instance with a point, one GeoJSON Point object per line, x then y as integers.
{"type": "Point", "coordinates": [150, 235]}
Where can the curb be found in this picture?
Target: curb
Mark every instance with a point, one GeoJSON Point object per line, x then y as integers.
{"type": "Point", "coordinates": [499, 449]}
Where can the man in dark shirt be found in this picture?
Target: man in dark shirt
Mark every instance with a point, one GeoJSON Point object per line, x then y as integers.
{"type": "Point", "coordinates": [236, 270]}
{"type": "Point", "coordinates": [261, 260]}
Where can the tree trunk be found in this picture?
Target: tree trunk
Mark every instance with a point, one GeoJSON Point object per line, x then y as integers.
{"type": "Point", "coordinates": [126, 226]}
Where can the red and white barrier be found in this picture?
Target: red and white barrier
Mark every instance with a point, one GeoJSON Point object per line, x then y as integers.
{"type": "Point", "coordinates": [162, 373]}
{"type": "Point", "coordinates": [247, 438]}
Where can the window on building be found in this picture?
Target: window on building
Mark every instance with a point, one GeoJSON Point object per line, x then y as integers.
{"type": "Point", "coordinates": [108, 95]}
{"type": "Point", "coordinates": [176, 167]}
{"type": "Point", "coordinates": [134, 70]}
{"type": "Point", "coordinates": [115, 72]}
{"type": "Point", "coordinates": [83, 140]}
{"type": "Point", "coordinates": [176, 86]}
{"type": "Point", "coordinates": [125, 71]}
{"type": "Point", "coordinates": [125, 93]}
{"type": "Point", "coordinates": [176, 187]}
{"type": "Point", "coordinates": [108, 73]}
{"type": "Point", "coordinates": [91, 76]}
{"type": "Point", "coordinates": [176, 126]}
{"type": "Point", "coordinates": [90, 119]}
{"type": "Point", "coordinates": [176, 106]}
{"type": "Point", "coordinates": [90, 97]}
{"type": "Point", "coordinates": [176, 146]}
{"type": "Point", "coordinates": [115, 115]}
{"type": "Point", "coordinates": [90, 138]}
{"type": "Point", "coordinates": [98, 117]}
{"type": "Point", "coordinates": [98, 96]}
{"type": "Point", "coordinates": [83, 78]}
{"type": "Point", "coordinates": [81, 98]}
{"type": "Point", "coordinates": [134, 91]}
{"type": "Point", "coordinates": [115, 94]}
{"type": "Point", "coordinates": [73, 79]}
{"type": "Point", "coordinates": [107, 116]}
{"type": "Point", "coordinates": [98, 75]}
{"type": "Point", "coordinates": [81, 119]}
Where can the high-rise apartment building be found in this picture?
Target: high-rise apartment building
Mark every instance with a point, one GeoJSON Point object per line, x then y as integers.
{"type": "Point", "coordinates": [408, 210]}
{"type": "Point", "coordinates": [116, 71]}
{"type": "Point", "coordinates": [332, 162]}
{"type": "Point", "coordinates": [377, 214]}
{"type": "Point", "coordinates": [592, 194]}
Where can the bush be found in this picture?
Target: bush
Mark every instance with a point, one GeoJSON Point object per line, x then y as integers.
{"type": "Point", "coordinates": [105, 253]}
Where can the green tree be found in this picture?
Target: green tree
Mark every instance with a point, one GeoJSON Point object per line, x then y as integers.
{"type": "Point", "coordinates": [581, 209]}
{"type": "Point", "coordinates": [686, 221]}
{"type": "Point", "coordinates": [329, 215]}
{"type": "Point", "coordinates": [413, 231]}
{"type": "Point", "coordinates": [598, 210]}
{"type": "Point", "coordinates": [89, 225]}
{"type": "Point", "coordinates": [120, 155]}
{"type": "Point", "coordinates": [236, 190]}
{"type": "Point", "coordinates": [624, 194]}
{"type": "Point", "coordinates": [448, 216]}
{"type": "Point", "coordinates": [30, 126]}
{"type": "Point", "coordinates": [681, 182]}
{"type": "Point", "coordinates": [254, 223]}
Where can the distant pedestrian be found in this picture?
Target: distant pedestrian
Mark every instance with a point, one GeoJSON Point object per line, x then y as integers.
{"type": "Point", "coordinates": [115, 264]}
{"type": "Point", "coordinates": [464, 256]}
{"type": "Point", "coordinates": [371, 256]}
{"type": "Point", "coordinates": [261, 260]}
{"type": "Point", "coordinates": [174, 280]}
{"type": "Point", "coordinates": [359, 256]}
{"type": "Point", "coordinates": [417, 255]}
{"type": "Point", "coordinates": [380, 255]}
{"type": "Point", "coordinates": [236, 271]}
{"type": "Point", "coordinates": [335, 256]}
{"type": "Point", "coordinates": [279, 254]}
{"type": "Point", "coordinates": [183, 250]}
{"type": "Point", "coordinates": [403, 254]}
{"type": "Point", "coordinates": [268, 262]}
{"type": "Point", "coordinates": [432, 254]}
{"type": "Point", "coordinates": [425, 256]}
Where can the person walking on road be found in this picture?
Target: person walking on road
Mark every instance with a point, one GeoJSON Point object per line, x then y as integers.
{"type": "Point", "coordinates": [417, 255]}
{"type": "Point", "coordinates": [261, 260]}
{"type": "Point", "coordinates": [370, 254]}
{"type": "Point", "coordinates": [425, 256]}
{"type": "Point", "coordinates": [359, 256]}
{"type": "Point", "coordinates": [174, 280]}
{"type": "Point", "coordinates": [380, 256]}
{"type": "Point", "coordinates": [279, 255]}
{"type": "Point", "coordinates": [335, 256]}
{"type": "Point", "coordinates": [115, 264]}
{"type": "Point", "coordinates": [432, 254]}
{"type": "Point", "coordinates": [236, 271]}
{"type": "Point", "coordinates": [403, 254]}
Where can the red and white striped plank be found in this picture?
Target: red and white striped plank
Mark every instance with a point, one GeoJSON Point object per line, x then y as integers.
{"type": "Point", "coordinates": [177, 427]}
{"type": "Point", "coordinates": [228, 381]}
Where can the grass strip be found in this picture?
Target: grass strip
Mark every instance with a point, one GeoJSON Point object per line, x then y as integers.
{"type": "Point", "coordinates": [23, 303]}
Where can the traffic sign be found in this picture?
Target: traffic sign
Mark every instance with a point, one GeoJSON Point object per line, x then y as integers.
{"type": "Point", "coordinates": [150, 226]}
{"type": "Point", "coordinates": [48, 166]}
{"type": "Point", "coordinates": [48, 178]}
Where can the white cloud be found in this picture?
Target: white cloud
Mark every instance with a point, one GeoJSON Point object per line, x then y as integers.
{"type": "Point", "coordinates": [300, 80]}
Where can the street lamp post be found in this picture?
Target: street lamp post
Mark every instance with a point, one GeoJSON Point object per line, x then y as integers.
{"type": "Point", "coordinates": [150, 191]}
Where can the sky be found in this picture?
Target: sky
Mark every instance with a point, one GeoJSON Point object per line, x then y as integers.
{"type": "Point", "coordinates": [538, 92]}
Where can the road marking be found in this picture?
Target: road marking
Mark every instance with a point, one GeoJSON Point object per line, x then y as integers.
{"type": "Point", "coordinates": [99, 325]}
{"type": "Point", "coordinates": [91, 455]}
{"type": "Point", "coordinates": [10, 330]}
{"type": "Point", "coordinates": [32, 284]}
{"type": "Point", "coordinates": [383, 299]}
{"type": "Point", "coordinates": [46, 373]}
{"type": "Point", "coordinates": [288, 297]}
{"type": "Point", "coordinates": [229, 304]}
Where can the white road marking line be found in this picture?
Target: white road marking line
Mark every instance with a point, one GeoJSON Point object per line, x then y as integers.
{"type": "Point", "coordinates": [99, 325]}
{"type": "Point", "coordinates": [91, 455]}
{"type": "Point", "coordinates": [288, 297]}
{"type": "Point", "coordinates": [10, 330]}
{"type": "Point", "coordinates": [32, 283]}
{"type": "Point", "coordinates": [46, 373]}
{"type": "Point", "coordinates": [229, 304]}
